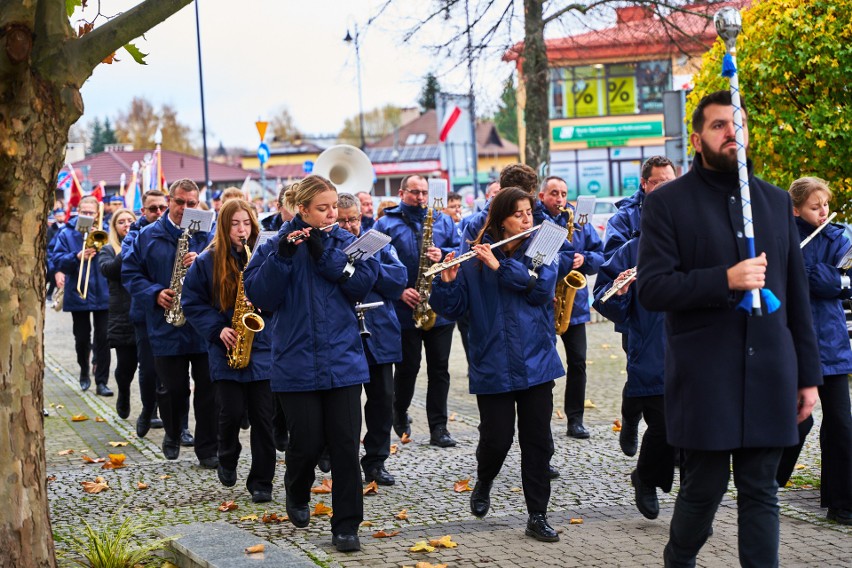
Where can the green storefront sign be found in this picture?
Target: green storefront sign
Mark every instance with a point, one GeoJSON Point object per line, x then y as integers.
{"type": "Point", "coordinates": [597, 135]}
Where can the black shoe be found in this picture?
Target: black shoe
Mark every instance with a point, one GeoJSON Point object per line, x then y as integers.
{"type": "Point", "coordinates": [380, 475]}
{"type": "Point", "coordinates": [156, 422]}
{"type": "Point", "coordinates": [122, 403]}
{"type": "Point", "coordinates": [402, 424]}
{"type": "Point", "coordinates": [628, 438]}
{"type": "Point", "coordinates": [539, 529]}
{"type": "Point", "coordinates": [260, 496]}
{"type": "Point", "coordinates": [227, 477]}
{"type": "Point", "coordinates": [143, 423]}
{"type": "Point", "coordinates": [346, 542]}
{"type": "Point", "coordinates": [842, 516]}
{"type": "Point", "coordinates": [103, 390]}
{"type": "Point", "coordinates": [577, 430]}
{"type": "Point", "coordinates": [480, 499]}
{"type": "Point", "coordinates": [244, 421]}
{"type": "Point", "coordinates": [441, 438]}
{"type": "Point", "coordinates": [324, 461]}
{"type": "Point", "coordinates": [186, 439]}
{"type": "Point", "coordinates": [85, 382]}
{"type": "Point", "coordinates": [171, 449]}
{"type": "Point", "coordinates": [552, 472]}
{"type": "Point", "coordinates": [646, 497]}
{"type": "Point", "coordinates": [209, 463]}
{"type": "Point", "coordinates": [300, 515]}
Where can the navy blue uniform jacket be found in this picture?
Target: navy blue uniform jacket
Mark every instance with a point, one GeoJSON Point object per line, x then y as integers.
{"type": "Point", "coordinates": [146, 271]}
{"type": "Point", "coordinates": [314, 330]}
{"type": "Point", "coordinates": [731, 378]}
{"type": "Point", "coordinates": [512, 345]}
{"type": "Point", "coordinates": [404, 225]}
{"type": "Point", "coordinates": [385, 342]}
{"type": "Point", "coordinates": [821, 257]}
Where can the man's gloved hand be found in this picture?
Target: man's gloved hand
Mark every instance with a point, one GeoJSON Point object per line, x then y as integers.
{"type": "Point", "coordinates": [315, 246]}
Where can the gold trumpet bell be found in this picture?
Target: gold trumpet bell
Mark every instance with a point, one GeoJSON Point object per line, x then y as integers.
{"type": "Point", "coordinates": [566, 289]}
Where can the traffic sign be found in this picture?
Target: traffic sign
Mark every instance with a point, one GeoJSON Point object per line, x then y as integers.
{"type": "Point", "coordinates": [263, 153]}
{"type": "Point", "coordinates": [308, 166]}
{"type": "Point", "coordinates": [261, 128]}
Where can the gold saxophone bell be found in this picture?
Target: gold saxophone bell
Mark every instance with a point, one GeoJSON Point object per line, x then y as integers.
{"type": "Point", "coordinates": [253, 322]}
{"type": "Point", "coordinates": [566, 289]}
{"type": "Point", "coordinates": [246, 322]}
{"type": "Point", "coordinates": [95, 238]}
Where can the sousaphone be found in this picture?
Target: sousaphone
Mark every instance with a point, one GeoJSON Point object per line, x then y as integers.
{"type": "Point", "coordinates": [347, 167]}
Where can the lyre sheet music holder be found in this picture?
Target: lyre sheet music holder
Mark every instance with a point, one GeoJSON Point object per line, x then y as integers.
{"type": "Point", "coordinates": [366, 245]}
{"type": "Point", "coordinates": [546, 243]}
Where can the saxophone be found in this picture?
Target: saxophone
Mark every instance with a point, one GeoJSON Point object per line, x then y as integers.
{"type": "Point", "coordinates": [567, 288]}
{"type": "Point", "coordinates": [174, 315]}
{"type": "Point", "coordinates": [424, 317]}
{"type": "Point", "coordinates": [245, 322]}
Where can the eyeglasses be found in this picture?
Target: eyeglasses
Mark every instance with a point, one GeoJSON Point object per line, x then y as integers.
{"type": "Point", "coordinates": [160, 208]}
{"type": "Point", "coordinates": [348, 221]}
{"type": "Point", "coordinates": [418, 192]}
{"type": "Point", "coordinates": [181, 202]}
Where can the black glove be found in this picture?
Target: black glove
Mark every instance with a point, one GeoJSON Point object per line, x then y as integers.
{"type": "Point", "coordinates": [286, 249]}
{"type": "Point", "coordinates": [315, 244]}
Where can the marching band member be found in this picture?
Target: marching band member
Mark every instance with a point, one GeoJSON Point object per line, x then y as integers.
{"type": "Point", "coordinates": [828, 285]}
{"type": "Point", "coordinates": [586, 259]}
{"type": "Point", "coordinates": [620, 228]}
{"type": "Point", "coordinates": [274, 222]}
{"type": "Point", "coordinates": [645, 376]}
{"type": "Point", "coordinates": [147, 272]}
{"type": "Point", "coordinates": [404, 224]}
{"type": "Point", "coordinates": [513, 357]}
{"type": "Point", "coordinates": [383, 348]}
{"type": "Point", "coordinates": [303, 277]}
{"type": "Point", "coordinates": [66, 257]}
{"type": "Point", "coordinates": [209, 301]}
{"type": "Point", "coordinates": [120, 329]}
{"type": "Point", "coordinates": [153, 207]}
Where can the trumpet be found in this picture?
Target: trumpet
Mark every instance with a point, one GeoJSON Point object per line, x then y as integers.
{"type": "Point", "coordinates": [95, 238]}
{"type": "Point", "coordinates": [303, 236]}
{"type": "Point", "coordinates": [619, 283]}
{"type": "Point", "coordinates": [442, 266]}
{"type": "Point", "coordinates": [362, 323]}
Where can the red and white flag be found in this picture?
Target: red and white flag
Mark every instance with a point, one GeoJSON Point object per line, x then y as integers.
{"type": "Point", "coordinates": [450, 120]}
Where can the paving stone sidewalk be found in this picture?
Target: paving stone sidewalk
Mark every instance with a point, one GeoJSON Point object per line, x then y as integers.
{"type": "Point", "coordinates": [594, 486]}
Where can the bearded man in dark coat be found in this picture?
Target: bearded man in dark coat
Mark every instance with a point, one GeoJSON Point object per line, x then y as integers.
{"type": "Point", "coordinates": [735, 384]}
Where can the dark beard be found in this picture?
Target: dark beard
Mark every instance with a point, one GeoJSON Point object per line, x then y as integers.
{"type": "Point", "coordinates": [719, 161]}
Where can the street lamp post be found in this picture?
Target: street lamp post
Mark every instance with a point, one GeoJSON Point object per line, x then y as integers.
{"type": "Point", "coordinates": [350, 39]}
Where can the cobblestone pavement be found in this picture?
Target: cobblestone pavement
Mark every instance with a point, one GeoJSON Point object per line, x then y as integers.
{"type": "Point", "coordinates": [594, 485]}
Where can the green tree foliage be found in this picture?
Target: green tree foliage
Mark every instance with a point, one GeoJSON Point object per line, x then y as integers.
{"type": "Point", "coordinates": [506, 117]}
{"type": "Point", "coordinates": [429, 93]}
{"type": "Point", "coordinates": [100, 136]}
{"type": "Point", "coordinates": [378, 123]}
{"type": "Point", "coordinates": [284, 127]}
{"type": "Point", "coordinates": [794, 59]}
{"type": "Point", "coordinates": [138, 125]}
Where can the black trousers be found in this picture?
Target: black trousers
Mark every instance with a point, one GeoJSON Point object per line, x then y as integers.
{"type": "Point", "coordinates": [378, 416]}
{"type": "Point", "coordinates": [704, 482]}
{"type": "Point", "coordinates": [497, 430]}
{"type": "Point", "coordinates": [316, 420]}
{"type": "Point", "coordinates": [232, 398]}
{"type": "Point", "coordinates": [125, 366]}
{"type": "Point", "coordinates": [173, 399]}
{"type": "Point", "coordinates": [85, 345]}
{"type": "Point", "coordinates": [437, 342]}
{"type": "Point", "coordinates": [835, 440]}
{"type": "Point", "coordinates": [279, 425]}
{"type": "Point", "coordinates": [655, 465]}
{"type": "Point", "coordinates": [148, 380]}
{"type": "Point", "coordinates": [631, 407]}
{"type": "Point", "coordinates": [463, 324]}
{"type": "Point", "coordinates": [574, 340]}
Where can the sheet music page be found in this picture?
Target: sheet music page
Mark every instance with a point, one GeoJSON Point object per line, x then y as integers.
{"type": "Point", "coordinates": [84, 222]}
{"type": "Point", "coordinates": [585, 208]}
{"type": "Point", "coordinates": [437, 193]}
{"type": "Point", "coordinates": [547, 242]}
{"type": "Point", "coordinates": [366, 245]}
{"type": "Point", "coordinates": [197, 220]}
{"type": "Point", "coordinates": [264, 236]}
{"type": "Point", "coordinates": [847, 258]}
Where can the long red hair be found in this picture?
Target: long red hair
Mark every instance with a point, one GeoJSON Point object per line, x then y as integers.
{"type": "Point", "coordinates": [226, 270]}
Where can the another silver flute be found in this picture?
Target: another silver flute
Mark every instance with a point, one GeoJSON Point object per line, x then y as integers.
{"type": "Point", "coordinates": [442, 266]}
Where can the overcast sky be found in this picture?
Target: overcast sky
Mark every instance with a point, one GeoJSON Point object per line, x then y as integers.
{"type": "Point", "coordinates": [259, 55]}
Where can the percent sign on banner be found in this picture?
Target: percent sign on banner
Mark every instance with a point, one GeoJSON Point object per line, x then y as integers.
{"type": "Point", "coordinates": [622, 95]}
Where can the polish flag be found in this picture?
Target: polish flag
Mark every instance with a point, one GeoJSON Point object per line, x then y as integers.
{"type": "Point", "coordinates": [449, 121]}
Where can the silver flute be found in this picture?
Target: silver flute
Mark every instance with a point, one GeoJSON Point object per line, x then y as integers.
{"type": "Point", "coordinates": [303, 236]}
{"type": "Point", "coordinates": [442, 266]}
{"type": "Point", "coordinates": [619, 283]}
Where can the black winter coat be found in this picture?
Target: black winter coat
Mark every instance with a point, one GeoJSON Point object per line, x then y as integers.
{"type": "Point", "coordinates": [120, 331]}
{"type": "Point", "coordinates": [731, 379]}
